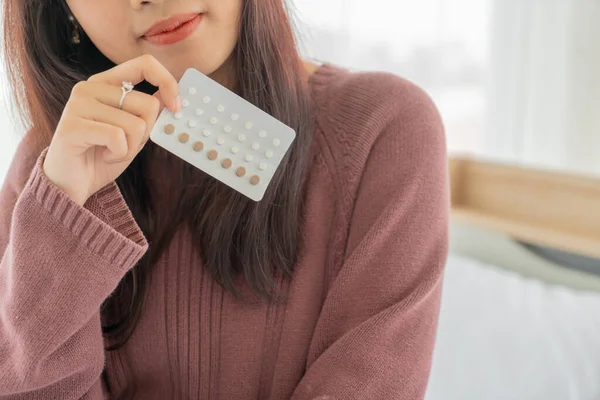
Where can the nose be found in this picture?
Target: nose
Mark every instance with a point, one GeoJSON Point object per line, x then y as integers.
{"type": "Point", "coordinates": [138, 4]}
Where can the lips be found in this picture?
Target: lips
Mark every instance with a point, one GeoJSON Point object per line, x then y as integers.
{"type": "Point", "coordinates": [169, 24]}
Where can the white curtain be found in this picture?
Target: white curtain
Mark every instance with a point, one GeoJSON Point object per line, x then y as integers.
{"type": "Point", "coordinates": [544, 85]}
{"type": "Point", "coordinates": [442, 45]}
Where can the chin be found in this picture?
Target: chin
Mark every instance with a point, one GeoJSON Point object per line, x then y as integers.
{"type": "Point", "coordinates": [207, 61]}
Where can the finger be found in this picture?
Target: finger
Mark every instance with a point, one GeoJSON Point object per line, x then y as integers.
{"type": "Point", "coordinates": [136, 129]}
{"type": "Point", "coordinates": [113, 138]}
{"type": "Point", "coordinates": [161, 103]}
{"type": "Point", "coordinates": [137, 103]}
{"type": "Point", "coordinates": [147, 68]}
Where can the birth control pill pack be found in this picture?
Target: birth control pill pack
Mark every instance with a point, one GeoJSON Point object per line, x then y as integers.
{"type": "Point", "coordinates": [223, 135]}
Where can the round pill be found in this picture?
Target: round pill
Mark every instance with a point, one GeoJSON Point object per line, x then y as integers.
{"type": "Point", "coordinates": [220, 140]}
{"type": "Point", "coordinates": [255, 146]}
{"type": "Point", "coordinates": [206, 132]}
{"type": "Point", "coordinates": [184, 137]}
{"type": "Point", "coordinates": [198, 146]}
{"type": "Point", "coordinates": [185, 103]}
{"type": "Point", "coordinates": [262, 134]}
{"type": "Point", "coordinates": [227, 128]}
{"type": "Point", "coordinates": [206, 99]}
{"type": "Point", "coordinates": [226, 163]}
{"type": "Point", "coordinates": [212, 155]}
{"type": "Point", "coordinates": [241, 171]}
{"type": "Point", "coordinates": [221, 108]}
{"type": "Point", "coordinates": [249, 157]}
{"type": "Point", "coordinates": [234, 150]}
{"type": "Point", "coordinates": [213, 120]}
{"type": "Point", "coordinates": [199, 111]}
{"type": "Point", "coordinates": [255, 180]}
{"type": "Point", "coordinates": [269, 153]}
{"type": "Point", "coordinates": [248, 125]}
{"type": "Point", "coordinates": [262, 166]}
{"type": "Point", "coordinates": [178, 115]}
{"type": "Point", "coordinates": [192, 90]}
{"type": "Point", "coordinates": [241, 137]}
{"type": "Point", "coordinates": [170, 129]}
{"type": "Point", "coordinates": [276, 142]}
{"type": "Point", "coordinates": [235, 117]}
{"type": "Point", "coordinates": [192, 123]}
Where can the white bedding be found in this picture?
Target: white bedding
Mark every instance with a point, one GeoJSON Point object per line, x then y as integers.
{"type": "Point", "coordinates": [505, 337]}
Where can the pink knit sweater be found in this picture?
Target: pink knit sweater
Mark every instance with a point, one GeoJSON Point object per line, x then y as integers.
{"type": "Point", "coordinates": [363, 304]}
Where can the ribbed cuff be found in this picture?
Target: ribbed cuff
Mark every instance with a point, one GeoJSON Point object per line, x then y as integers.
{"type": "Point", "coordinates": [109, 205]}
{"type": "Point", "coordinates": [105, 225]}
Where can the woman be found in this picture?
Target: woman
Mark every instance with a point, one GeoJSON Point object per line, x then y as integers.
{"type": "Point", "coordinates": [127, 273]}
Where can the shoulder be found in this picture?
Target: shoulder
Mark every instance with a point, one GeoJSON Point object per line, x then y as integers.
{"type": "Point", "coordinates": [344, 98]}
{"type": "Point", "coordinates": [375, 117]}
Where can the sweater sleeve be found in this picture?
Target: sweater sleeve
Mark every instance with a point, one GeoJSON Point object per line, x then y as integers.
{"type": "Point", "coordinates": [59, 263]}
{"type": "Point", "coordinates": [375, 335]}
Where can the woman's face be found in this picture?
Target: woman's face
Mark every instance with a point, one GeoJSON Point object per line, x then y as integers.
{"type": "Point", "coordinates": [119, 29]}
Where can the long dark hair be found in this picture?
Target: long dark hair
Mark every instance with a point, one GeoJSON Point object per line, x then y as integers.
{"type": "Point", "coordinates": [234, 235]}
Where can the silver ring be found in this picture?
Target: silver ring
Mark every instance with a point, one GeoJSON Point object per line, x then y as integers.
{"type": "Point", "coordinates": [125, 89]}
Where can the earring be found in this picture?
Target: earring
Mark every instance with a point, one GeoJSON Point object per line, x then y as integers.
{"type": "Point", "coordinates": [75, 38]}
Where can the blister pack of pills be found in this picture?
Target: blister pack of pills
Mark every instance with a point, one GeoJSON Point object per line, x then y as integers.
{"type": "Point", "coordinates": [223, 135]}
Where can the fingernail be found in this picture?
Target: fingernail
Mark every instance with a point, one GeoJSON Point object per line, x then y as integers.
{"type": "Point", "coordinates": [178, 103]}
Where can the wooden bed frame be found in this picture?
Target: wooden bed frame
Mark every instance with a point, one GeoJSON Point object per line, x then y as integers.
{"type": "Point", "coordinates": [546, 208]}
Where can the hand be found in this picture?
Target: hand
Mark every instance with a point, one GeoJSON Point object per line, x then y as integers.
{"type": "Point", "coordinates": [95, 141]}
